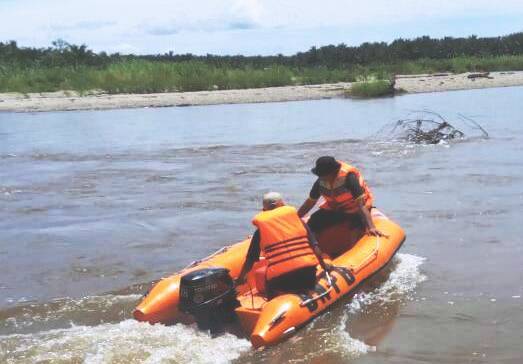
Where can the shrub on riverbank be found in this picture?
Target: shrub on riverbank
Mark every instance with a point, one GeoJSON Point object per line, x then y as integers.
{"type": "Point", "coordinates": [373, 88]}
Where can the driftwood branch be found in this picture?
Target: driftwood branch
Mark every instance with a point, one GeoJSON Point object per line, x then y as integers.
{"type": "Point", "coordinates": [429, 127]}
{"type": "Point", "coordinates": [474, 123]}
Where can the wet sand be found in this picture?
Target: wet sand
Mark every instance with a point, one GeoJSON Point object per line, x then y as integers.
{"type": "Point", "coordinates": [67, 101]}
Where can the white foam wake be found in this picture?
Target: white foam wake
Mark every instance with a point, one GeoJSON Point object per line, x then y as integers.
{"type": "Point", "coordinates": [125, 342]}
{"type": "Point", "coordinates": [58, 312]}
{"type": "Point", "coordinates": [400, 284]}
{"type": "Point", "coordinates": [134, 342]}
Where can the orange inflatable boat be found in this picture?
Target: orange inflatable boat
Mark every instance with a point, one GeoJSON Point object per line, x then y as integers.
{"type": "Point", "coordinates": [204, 291]}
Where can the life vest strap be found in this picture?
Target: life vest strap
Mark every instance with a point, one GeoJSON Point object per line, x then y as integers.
{"type": "Point", "coordinates": [289, 249]}
{"type": "Point", "coordinates": [271, 263]}
{"type": "Point", "coordinates": [291, 243]}
{"type": "Point", "coordinates": [273, 245]}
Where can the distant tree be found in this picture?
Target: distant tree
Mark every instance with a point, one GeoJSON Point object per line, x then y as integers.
{"type": "Point", "coordinates": [331, 56]}
{"type": "Point", "coordinates": [60, 44]}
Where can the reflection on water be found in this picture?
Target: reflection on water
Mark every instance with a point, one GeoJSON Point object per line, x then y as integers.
{"type": "Point", "coordinates": [97, 202]}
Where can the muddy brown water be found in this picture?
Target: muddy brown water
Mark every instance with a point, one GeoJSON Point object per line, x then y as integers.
{"type": "Point", "coordinates": [94, 206]}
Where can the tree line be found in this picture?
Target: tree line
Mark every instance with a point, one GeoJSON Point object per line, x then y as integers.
{"type": "Point", "coordinates": [62, 53]}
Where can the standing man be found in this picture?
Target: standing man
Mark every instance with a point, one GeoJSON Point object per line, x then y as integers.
{"type": "Point", "coordinates": [347, 197]}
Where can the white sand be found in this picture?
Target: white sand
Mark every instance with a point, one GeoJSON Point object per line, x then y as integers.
{"type": "Point", "coordinates": [71, 101]}
{"type": "Point", "coordinates": [62, 101]}
{"type": "Point", "coordinates": [451, 82]}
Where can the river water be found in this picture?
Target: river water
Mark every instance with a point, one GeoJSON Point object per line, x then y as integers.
{"type": "Point", "coordinates": [96, 205]}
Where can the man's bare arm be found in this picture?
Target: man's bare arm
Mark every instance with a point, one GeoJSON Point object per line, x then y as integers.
{"type": "Point", "coordinates": [316, 249]}
{"type": "Point", "coordinates": [367, 218]}
{"type": "Point", "coordinates": [306, 207]}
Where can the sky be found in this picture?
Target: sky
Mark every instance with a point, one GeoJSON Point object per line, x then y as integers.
{"type": "Point", "coordinates": [248, 27]}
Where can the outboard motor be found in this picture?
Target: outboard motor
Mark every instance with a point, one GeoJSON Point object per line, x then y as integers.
{"type": "Point", "coordinates": [209, 296]}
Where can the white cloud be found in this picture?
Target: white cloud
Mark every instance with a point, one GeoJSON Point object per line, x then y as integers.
{"type": "Point", "coordinates": [230, 26]}
{"type": "Point", "coordinates": [372, 12]}
{"type": "Point", "coordinates": [82, 25]}
{"type": "Point", "coordinates": [251, 9]}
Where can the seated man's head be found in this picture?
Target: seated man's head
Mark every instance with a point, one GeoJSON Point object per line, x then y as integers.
{"type": "Point", "coordinates": [272, 200]}
{"type": "Point", "coordinates": [326, 167]}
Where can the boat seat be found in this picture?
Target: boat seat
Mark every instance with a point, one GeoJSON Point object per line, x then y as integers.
{"type": "Point", "coordinates": [336, 240]}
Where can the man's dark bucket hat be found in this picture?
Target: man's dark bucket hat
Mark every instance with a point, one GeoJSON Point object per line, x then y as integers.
{"type": "Point", "coordinates": [325, 165]}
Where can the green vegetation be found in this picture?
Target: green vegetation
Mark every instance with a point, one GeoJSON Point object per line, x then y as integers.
{"type": "Point", "coordinates": [139, 76]}
{"type": "Point", "coordinates": [71, 67]}
{"type": "Point", "coordinates": [142, 76]}
{"type": "Point", "coordinates": [374, 88]}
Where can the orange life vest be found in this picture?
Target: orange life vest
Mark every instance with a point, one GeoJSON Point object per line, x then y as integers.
{"type": "Point", "coordinates": [284, 241]}
{"type": "Point", "coordinates": [338, 197]}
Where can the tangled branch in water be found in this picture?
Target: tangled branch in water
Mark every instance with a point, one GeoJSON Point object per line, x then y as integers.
{"type": "Point", "coordinates": [429, 127]}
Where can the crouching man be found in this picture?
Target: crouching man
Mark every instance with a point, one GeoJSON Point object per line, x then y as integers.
{"type": "Point", "coordinates": [287, 244]}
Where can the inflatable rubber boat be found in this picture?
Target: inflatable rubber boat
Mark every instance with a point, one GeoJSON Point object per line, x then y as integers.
{"type": "Point", "coordinates": [204, 291]}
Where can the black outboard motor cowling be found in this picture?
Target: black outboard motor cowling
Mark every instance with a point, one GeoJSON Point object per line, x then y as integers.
{"type": "Point", "coordinates": [209, 295]}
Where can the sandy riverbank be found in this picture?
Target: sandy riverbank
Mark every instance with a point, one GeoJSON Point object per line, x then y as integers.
{"type": "Point", "coordinates": [451, 82]}
{"type": "Point", "coordinates": [63, 101]}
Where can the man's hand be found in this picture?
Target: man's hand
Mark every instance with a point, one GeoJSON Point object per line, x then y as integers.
{"type": "Point", "coordinates": [306, 207]}
{"type": "Point", "coordinates": [375, 232]}
{"type": "Point", "coordinates": [327, 266]}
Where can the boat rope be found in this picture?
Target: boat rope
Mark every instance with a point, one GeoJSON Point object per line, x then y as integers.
{"type": "Point", "coordinates": [371, 256]}
{"type": "Point", "coordinates": [196, 262]}
{"type": "Point", "coordinates": [312, 299]}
